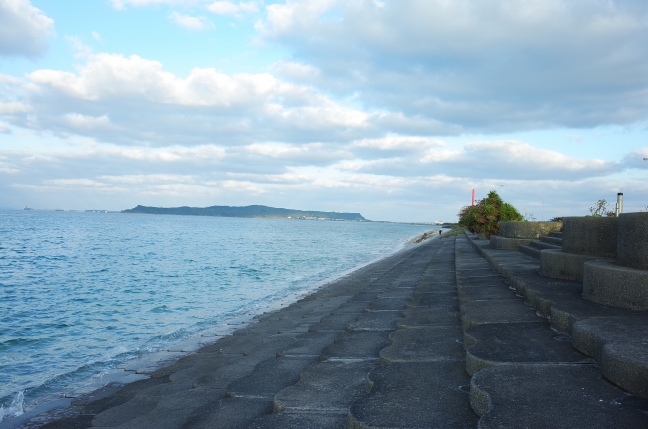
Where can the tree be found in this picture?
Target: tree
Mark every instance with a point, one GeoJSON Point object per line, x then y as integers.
{"type": "Point", "coordinates": [485, 216]}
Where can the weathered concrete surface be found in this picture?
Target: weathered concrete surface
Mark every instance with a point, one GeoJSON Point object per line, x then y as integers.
{"type": "Point", "coordinates": [415, 395]}
{"type": "Point", "coordinates": [619, 346]}
{"type": "Point", "coordinates": [517, 343]}
{"type": "Point", "coordinates": [289, 420]}
{"type": "Point", "coordinates": [608, 283]}
{"type": "Point", "coordinates": [532, 230]}
{"type": "Point", "coordinates": [426, 344]}
{"type": "Point", "coordinates": [562, 265]}
{"type": "Point", "coordinates": [632, 244]}
{"type": "Point", "coordinates": [596, 236]}
{"type": "Point", "coordinates": [446, 315]}
{"type": "Point", "coordinates": [496, 311]}
{"type": "Point", "coordinates": [552, 396]}
{"type": "Point", "coordinates": [506, 243]}
{"type": "Point", "coordinates": [270, 376]}
{"type": "Point", "coordinates": [356, 345]}
{"type": "Point", "coordinates": [326, 387]}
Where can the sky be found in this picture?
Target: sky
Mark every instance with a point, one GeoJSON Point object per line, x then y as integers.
{"type": "Point", "coordinates": [393, 109]}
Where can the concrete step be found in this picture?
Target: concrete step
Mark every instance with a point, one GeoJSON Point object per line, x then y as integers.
{"type": "Point", "coordinates": [531, 251]}
{"type": "Point", "coordinates": [496, 311]}
{"type": "Point", "coordinates": [620, 345]}
{"type": "Point", "coordinates": [552, 240]}
{"type": "Point", "coordinates": [518, 343]}
{"type": "Point", "coordinates": [552, 396]}
{"type": "Point", "coordinates": [541, 245]}
{"type": "Point", "coordinates": [415, 395]}
{"type": "Point", "coordinates": [616, 338]}
{"type": "Point", "coordinates": [556, 234]}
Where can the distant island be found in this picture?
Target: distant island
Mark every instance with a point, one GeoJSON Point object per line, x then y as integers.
{"type": "Point", "coordinates": [249, 211]}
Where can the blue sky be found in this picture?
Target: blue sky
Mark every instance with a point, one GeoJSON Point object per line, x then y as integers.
{"type": "Point", "coordinates": [394, 109]}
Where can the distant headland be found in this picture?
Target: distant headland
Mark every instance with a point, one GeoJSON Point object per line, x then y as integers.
{"type": "Point", "coordinates": [255, 211]}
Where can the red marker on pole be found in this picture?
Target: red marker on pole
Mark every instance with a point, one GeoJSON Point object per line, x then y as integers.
{"type": "Point", "coordinates": [473, 197]}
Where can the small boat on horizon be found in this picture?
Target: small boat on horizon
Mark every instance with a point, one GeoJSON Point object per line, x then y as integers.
{"type": "Point", "coordinates": [28, 208]}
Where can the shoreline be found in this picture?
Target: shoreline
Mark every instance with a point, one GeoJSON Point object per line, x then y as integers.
{"type": "Point", "coordinates": [137, 369]}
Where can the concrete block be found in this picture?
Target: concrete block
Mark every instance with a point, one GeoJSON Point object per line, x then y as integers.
{"type": "Point", "coordinates": [496, 311]}
{"type": "Point", "coordinates": [301, 420]}
{"type": "Point", "coordinates": [532, 230]}
{"type": "Point", "coordinates": [426, 344]}
{"type": "Point", "coordinates": [507, 243]}
{"type": "Point", "coordinates": [375, 321]}
{"type": "Point", "coordinates": [329, 386]}
{"type": "Point", "coordinates": [270, 376]}
{"type": "Point", "coordinates": [517, 343]}
{"type": "Point", "coordinates": [632, 241]}
{"type": "Point", "coordinates": [356, 345]}
{"type": "Point", "coordinates": [607, 283]}
{"type": "Point", "coordinates": [620, 346]}
{"type": "Point", "coordinates": [557, 264]}
{"type": "Point", "coordinates": [552, 396]}
{"type": "Point", "coordinates": [588, 235]}
{"type": "Point", "coordinates": [532, 251]}
{"type": "Point", "coordinates": [415, 395]}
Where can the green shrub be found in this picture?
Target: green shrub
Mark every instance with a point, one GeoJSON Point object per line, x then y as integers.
{"type": "Point", "coordinates": [485, 216]}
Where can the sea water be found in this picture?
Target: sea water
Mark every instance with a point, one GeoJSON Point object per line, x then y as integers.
{"type": "Point", "coordinates": [81, 293]}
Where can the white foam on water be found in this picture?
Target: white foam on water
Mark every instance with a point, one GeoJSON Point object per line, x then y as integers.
{"type": "Point", "coordinates": [16, 408]}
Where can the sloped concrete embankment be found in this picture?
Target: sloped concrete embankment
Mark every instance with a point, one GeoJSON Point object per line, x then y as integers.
{"type": "Point", "coordinates": [431, 337]}
{"type": "Point", "coordinates": [332, 336]}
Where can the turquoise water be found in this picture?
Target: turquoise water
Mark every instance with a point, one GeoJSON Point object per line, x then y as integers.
{"type": "Point", "coordinates": [81, 293]}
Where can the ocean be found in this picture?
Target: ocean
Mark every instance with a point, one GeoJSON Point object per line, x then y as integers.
{"type": "Point", "coordinates": [82, 293]}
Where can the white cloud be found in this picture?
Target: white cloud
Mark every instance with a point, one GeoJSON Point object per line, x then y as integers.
{"type": "Point", "coordinates": [24, 29]}
{"type": "Point", "coordinates": [146, 104]}
{"type": "Point", "coordinates": [4, 129]}
{"type": "Point", "coordinates": [524, 155]}
{"type": "Point", "coordinates": [293, 70]}
{"type": "Point", "coordinates": [121, 4]}
{"type": "Point", "coordinates": [231, 8]}
{"type": "Point", "coordinates": [399, 143]}
{"type": "Point", "coordinates": [110, 76]}
{"type": "Point", "coordinates": [148, 178]}
{"type": "Point", "coordinates": [96, 36]}
{"type": "Point", "coordinates": [77, 121]}
{"type": "Point", "coordinates": [191, 22]}
{"type": "Point", "coordinates": [487, 66]}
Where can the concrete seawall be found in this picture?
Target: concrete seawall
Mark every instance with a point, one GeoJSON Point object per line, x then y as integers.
{"type": "Point", "coordinates": [434, 336]}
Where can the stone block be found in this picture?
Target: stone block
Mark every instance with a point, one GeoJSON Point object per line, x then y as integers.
{"type": "Point", "coordinates": [607, 283]}
{"type": "Point", "coordinates": [329, 386]}
{"type": "Point", "coordinates": [531, 230]}
{"type": "Point", "coordinates": [632, 240]}
{"type": "Point", "coordinates": [506, 243]}
{"type": "Point", "coordinates": [517, 343]}
{"type": "Point", "coordinates": [415, 395]}
{"type": "Point", "coordinates": [557, 264]}
{"type": "Point", "coordinates": [552, 396]}
{"type": "Point", "coordinates": [588, 235]}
